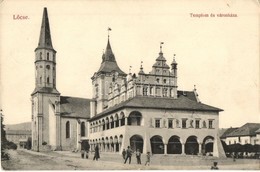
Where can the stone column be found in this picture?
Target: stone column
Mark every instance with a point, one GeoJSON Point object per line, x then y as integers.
{"type": "Point", "coordinates": [126, 120]}
{"type": "Point", "coordinates": [200, 149]}
{"type": "Point", "coordinates": [165, 149]}
{"type": "Point", "coordinates": [114, 147]}
{"type": "Point", "coordinates": [183, 148]}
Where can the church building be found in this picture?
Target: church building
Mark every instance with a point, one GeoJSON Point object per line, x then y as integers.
{"type": "Point", "coordinates": [145, 111]}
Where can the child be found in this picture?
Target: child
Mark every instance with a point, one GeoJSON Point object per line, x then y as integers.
{"type": "Point", "coordinates": [214, 167]}
{"type": "Point", "coordinates": [124, 154]}
{"type": "Point", "coordinates": [148, 158]}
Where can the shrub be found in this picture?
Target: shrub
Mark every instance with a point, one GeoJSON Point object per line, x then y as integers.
{"type": "Point", "coordinates": [11, 145]}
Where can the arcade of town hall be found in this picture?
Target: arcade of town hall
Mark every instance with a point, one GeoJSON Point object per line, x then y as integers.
{"type": "Point", "coordinates": [145, 111]}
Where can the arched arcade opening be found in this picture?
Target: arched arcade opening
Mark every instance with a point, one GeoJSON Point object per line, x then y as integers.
{"type": "Point", "coordinates": [174, 145]}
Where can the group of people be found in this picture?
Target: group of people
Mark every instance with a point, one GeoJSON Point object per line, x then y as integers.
{"type": "Point", "coordinates": [127, 154]}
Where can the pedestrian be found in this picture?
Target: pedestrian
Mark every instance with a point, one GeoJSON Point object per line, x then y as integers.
{"type": "Point", "coordinates": [124, 154]}
{"type": "Point", "coordinates": [148, 158]}
{"type": "Point", "coordinates": [234, 156]}
{"type": "Point", "coordinates": [138, 156]}
{"type": "Point", "coordinates": [84, 149]}
{"type": "Point", "coordinates": [214, 167]}
{"type": "Point", "coordinates": [128, 154]}
{"type": "Point", "coordinates": [96, 156]}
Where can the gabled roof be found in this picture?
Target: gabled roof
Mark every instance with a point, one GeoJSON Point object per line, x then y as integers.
{"type": "Point", "coordinates": [189, 94]}
{"type": "Point", "coordinates": [228, 130]}
{"type": "Point", "coordinates": [74, 107]}
{"type": "Point", "coordinates": [246, 130]}
{"type": "Point", "coordinates": [181, 103]}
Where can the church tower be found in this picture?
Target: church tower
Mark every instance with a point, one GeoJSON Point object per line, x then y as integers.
{"type": "Point", "coordinates": [108, 74]}
{"type": "Point", "coordinates": [45, 97]}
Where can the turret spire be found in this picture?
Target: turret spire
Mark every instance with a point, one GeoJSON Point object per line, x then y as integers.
{"type": "Point", "coordinates": [45, 34]}
{"type": "Point", "coordinates": [161, 47]}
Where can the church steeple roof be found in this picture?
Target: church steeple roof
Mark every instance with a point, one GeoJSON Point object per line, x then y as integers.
{"type": "Point", "coordinates": [45, 34]}
{"type": "Point", "coordinates": [109, 63]}
{"type": "Point", "coordinates": [109, 55]}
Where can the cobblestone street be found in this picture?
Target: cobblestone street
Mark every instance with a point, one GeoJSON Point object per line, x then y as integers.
{"type": "Point", "coordinates": [29, 160]}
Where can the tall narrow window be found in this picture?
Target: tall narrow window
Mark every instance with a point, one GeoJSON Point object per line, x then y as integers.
{"type": "Point", "coordinates": [82, 129]}
{"type": "Point", "coordinates": [210, 124]}
{"type": "Point", "coordinates": [67, 129]}
{"type": "Point", "coordinates": [47, 56]}
{"type": "Point", "coordinates": [165, 92]}
{"type": "Point", "coordinates": [157, 123]}
{"type": "Point", "coordinates": [197, 123]}
{"type": "Point", "coordinates": [145, 91]}
{"type": "Point", "coordinates": [170, 123]}
{"type": "Point", "coordinates": [184, 123]}
{"type": "Point", "coordinates": [40, 55]}
{"type": "Point", "coordinates": [48, 80]}
{"type": "Point", "coordinates": [40, 80]}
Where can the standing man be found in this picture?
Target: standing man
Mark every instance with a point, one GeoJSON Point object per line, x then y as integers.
{"type": "Point", "coordinates": [128, 154]}
{"type": "Point", "coordinates": [138, 156]}
{"type": "Point", "coordinates": [96, 156]}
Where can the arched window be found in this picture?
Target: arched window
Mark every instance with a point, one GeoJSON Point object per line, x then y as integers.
{"type": "Point", "coordinates": [67, 129]}
{"type": "Point", "coordinates": [145, 89]}
{"type": "Point", "coordinates": [82, 129]}
{"type": "Point", "coordinates": [158, 80]}
{"type": "Point", "coordinates": [165, 92]}
{"type": "Point", "coordinates": [47, 56]}
{"type": "Point", "coordinates": [48, 67]}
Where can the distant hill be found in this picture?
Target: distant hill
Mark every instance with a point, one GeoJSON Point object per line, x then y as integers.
{"type": "Point", "coordinates": [21, 126]}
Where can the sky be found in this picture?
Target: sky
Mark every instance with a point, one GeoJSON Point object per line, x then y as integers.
{"type": "Point", "coordinates": [220, 55]}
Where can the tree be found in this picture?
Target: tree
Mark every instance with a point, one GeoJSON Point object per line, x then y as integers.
{"type": "Point", "coordinates": [4, 155]}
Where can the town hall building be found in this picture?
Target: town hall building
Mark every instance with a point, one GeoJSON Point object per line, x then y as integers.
{"type": "Point", "coordinates": [145, 111]}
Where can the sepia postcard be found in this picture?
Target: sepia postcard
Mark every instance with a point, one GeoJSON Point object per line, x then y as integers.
{"type": "Point", "coordinates": [129, 85]}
